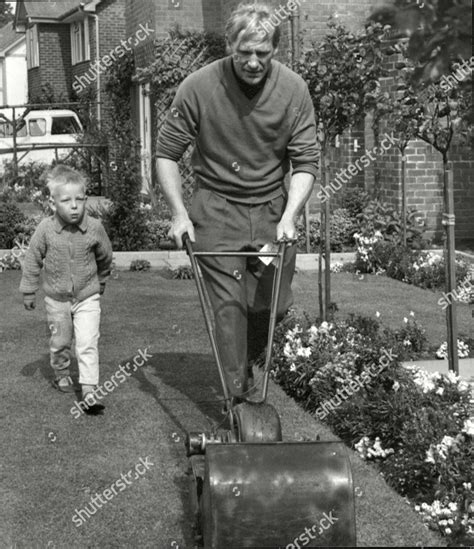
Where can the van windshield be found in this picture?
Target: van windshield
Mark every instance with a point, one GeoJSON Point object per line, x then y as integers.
{"type": "Point", "coordinates": [64, 125]}
{"type": "Point", "coordinates": [37, 127]}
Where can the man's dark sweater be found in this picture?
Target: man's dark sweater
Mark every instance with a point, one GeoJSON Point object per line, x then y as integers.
{"type": "Point", "coordinates": [243, 146]}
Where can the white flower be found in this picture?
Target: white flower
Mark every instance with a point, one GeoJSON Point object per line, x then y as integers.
{"type": "Point", "coordinates": [396, 386]}
{"type": "Point", "coordinates": [468, 427]}
{"type": "Point", "coordinates": [440, 390]}
{"type": "Point", "coordinates": [405, 320]}
{"type": "Point", "coordinates": [304, 352]}
{"type": "Point", "coordinates": [429, 456]}
{"type": "Point", "coordinates": [293, 367]}
{"type": "Point", "coordinates": [448, 530]}
{"type": "Point", "coordinates": [287, 350]}
{"type": "Point", "coordinates": [377, 314]}
{"type": "Point", "coordinates": [412, 313]}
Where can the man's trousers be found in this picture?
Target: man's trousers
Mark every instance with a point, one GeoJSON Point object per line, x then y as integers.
{"type": "Point", "coordinates": [239, 288]}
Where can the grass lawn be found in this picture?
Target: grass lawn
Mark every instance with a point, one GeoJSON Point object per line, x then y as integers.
{"type": "Point", "coordinates": [52, 463]}
{"type": "Point", "coordinates": [391, 298]}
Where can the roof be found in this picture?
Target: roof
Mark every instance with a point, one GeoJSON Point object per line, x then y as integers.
{"type": "Point", "coordinates": [8, 37]}
{"type": "Point", "coordinates": [48, 10]}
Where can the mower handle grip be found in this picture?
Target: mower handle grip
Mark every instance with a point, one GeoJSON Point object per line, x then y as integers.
{"type": "Point", "coordinates": [170, 244]}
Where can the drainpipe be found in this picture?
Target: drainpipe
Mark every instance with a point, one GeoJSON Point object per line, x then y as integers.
{"type": "Point", "coordinates": [97, 59]}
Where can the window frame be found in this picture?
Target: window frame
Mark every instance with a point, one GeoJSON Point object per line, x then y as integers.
{"type": "Point", "coordinates": [80, 42]}
{"type": "Point", "coordinates": [37, 120]}
{"type": "Point", "coordinates": [32, 47]}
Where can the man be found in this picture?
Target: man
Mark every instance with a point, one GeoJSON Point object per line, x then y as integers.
{"type": "Point", "coordinates": [250, 117]}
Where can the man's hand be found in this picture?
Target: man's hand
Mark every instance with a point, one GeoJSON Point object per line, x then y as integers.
{"type": "Point", "coordinates": [286, 228]}
{"type": "Point", "coordinates": [181, 224]}
{"type": "Point", "coordinates": [29, 301]}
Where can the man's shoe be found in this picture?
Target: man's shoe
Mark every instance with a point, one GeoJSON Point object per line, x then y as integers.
{"type": "Point", "coordinates": [64, 384]}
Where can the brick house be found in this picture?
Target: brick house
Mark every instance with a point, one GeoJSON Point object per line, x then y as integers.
{"type": "Point", "coordinates": [13, 76]}
{"type": "Point", "coordinates": [62, 39]}
{"type": "Point", "coordinates": [424, 165]}
{"type": "Point", "coordinates": [67, 41]}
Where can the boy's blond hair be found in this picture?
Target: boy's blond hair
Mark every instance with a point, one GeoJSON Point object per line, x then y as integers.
{"type": "Point", "coordinates": [249, 20]}
{"type": "Point", "coordinates": [61, 175]}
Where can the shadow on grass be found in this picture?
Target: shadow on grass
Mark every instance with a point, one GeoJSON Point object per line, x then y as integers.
{"type": "Point", "coordinates": [41, 365]}
{"type": "Point", "coordinates": [192, 375]}
{"type": "Point", "coordinates": [195, 378]}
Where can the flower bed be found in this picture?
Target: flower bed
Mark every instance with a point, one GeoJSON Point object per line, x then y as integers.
{"type": "Point", "coordinates": [421, 268]}
{"type": "Point", "coordinates": [415, 426]}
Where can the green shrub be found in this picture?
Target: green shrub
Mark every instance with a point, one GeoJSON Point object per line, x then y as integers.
{"type": "Point", "coordinates": [413, 424]}
{"type": "Point", "coordinates": [140, 265]}
{"type": "Point", "coordinates": [417, 267]}
{"type": "Point", "coordinates": [381, 217]}
{"type": "Point", "coordinates": [354, 201]}
{"type": "Point", "coordinates": [157, 232]}
{"type": "Point", "coordinates": [185, 272]}
{"type": "Point", "coordinates": [124, 221]}
{"type": "Point", "coordinates": [342, 227]}
{"type": "Point", "coordinates": [28, 185]}
{"type": "Point", "coordinates": [11, 218]}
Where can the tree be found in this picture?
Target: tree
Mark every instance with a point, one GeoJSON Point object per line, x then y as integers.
{"type": "Point", "coordinates": [439, 31]}
{"type": "Point", "coordinates": [437, 116]}
{"type": "Point", "coordinates": [342, 73]}
{"type": "Point", "coordinates": [6, 13]}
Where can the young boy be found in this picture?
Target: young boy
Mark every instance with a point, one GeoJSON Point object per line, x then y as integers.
{"type": "Point", "coordinates": [75, 254]}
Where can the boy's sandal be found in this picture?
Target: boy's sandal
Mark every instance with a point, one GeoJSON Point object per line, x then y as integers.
{"type": "Point", "coordinates": [94, 406]}
{"type": "Point", "coordinates": [64, 384]}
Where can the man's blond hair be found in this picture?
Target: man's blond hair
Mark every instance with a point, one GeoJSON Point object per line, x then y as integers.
{"type": "Point", "coordinates": [250, 21]}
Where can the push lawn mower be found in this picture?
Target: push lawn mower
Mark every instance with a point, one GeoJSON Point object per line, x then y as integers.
{"type": "Point", "coordinates": [251, 489]}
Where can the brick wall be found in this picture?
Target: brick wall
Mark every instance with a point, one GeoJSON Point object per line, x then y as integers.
{"type": "Point", "coordinates": [34, 82]}
{"type": "Point", "coordinates": [382, 177]}
{"type": "Point", "coordinates": [112, 30]}
{"type": "Point", "coordinates": [54, 57]}
{"type": "Point", "coordinates": [424, 180]}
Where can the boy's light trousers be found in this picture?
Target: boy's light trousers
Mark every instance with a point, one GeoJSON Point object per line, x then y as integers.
{"type": "Point", "coordinates": [80, 319]}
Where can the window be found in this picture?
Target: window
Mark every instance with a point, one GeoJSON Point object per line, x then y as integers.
{"type": "Point", "coordinates": [37, 127]}
{"type": "Point", "coordinates": [80, 41]}
{"type": "Point", "coordinates": [6, 129]}
{"type": "Point", "coordinates": [64, 125]}
{"type": "Point", "coordinates": [32, 47]}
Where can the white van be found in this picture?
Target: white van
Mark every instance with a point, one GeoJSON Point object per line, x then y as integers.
{"type": "Point", "coordinates": [46, 127]}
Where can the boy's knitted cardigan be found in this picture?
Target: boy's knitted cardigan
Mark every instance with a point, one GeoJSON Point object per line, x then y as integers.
{"type": "Point", "coordinates": [75, 259]}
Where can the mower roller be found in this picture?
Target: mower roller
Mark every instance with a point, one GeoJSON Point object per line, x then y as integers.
{"type": "Point", "coordinates": [249, 487]}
